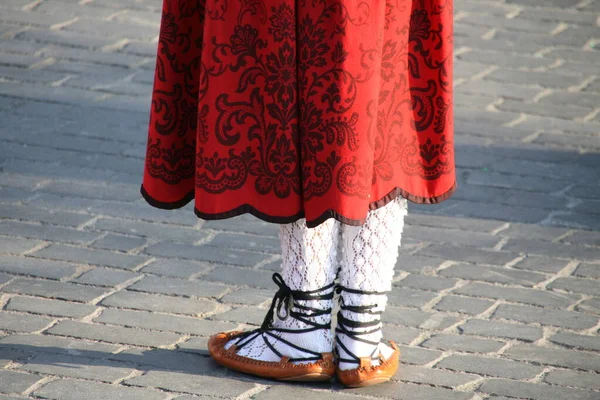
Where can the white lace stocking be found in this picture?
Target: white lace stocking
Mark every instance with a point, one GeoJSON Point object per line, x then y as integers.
{"type": "Point", "coordinates": [308, 263]}
{"type": "Point", "coordinates": [369, 254]}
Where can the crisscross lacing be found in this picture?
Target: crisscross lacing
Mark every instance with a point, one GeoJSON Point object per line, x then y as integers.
{"type": "Point", "coordinates": [357, 330]}
{"type": "Point", "coordinates": [369, 254]}
{"type": "Point", "coordinates": [298, 324]}
{"type": "Point", "coordinates": [287, 299]}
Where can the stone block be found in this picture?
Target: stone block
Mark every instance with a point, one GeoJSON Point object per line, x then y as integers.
{"type": "Point", "coordinates": [463, 305]}
{"type": "Point", "coordinates": [106, 277]}
{"type": "Point", "coordinates": [247, 315]}
{"type": "Point", "coordinates": [409, 297]}
{"type": "Point", "coordinates": [59, 345]}
{"type": "Point", "coordinates": [426, 282]}
{"type": "Point", "coordinates": [154, 230]}
{"type": "Point", "coordinates": [588, 271]}
{"type": "Point", "coordinates": [556, 357]}
{"type": "Point", "coordinates": [521, 182]}
{"type": "Point", "coordinates": [542, 298]}
{"type": "Point", "coordinates": [113, 334]}
{"type": "Point", "coordinates": [549, 79]}
{"type": "Point", "coordinates": [577, 285]}
{"type": "Point", "coordinates": [578, 221]}
{"type": "Point", "coordinates": [549, 249]}
{"type": "Point", "coordinates": [401, 390]}
{"type": "Point", "coordinates": [243, 224]}
{"type": "Point", "coordinates": [418, 355]}
{"type": "Point", "coordinates": [16, 245]}
{"type": "Point", "coordinates": [590, 305]}
{"type": "Point", "coordinates": [200, 385]}
{"type": "Point", "coordinates": [176, 268]}
{"type": "Point", "coordinates": [469, 254]}
{"type": "Point", "coordinates": [432, 376]}
{"type": "Point", "coordinates": [407, 317]}
{"type": "Point", "coordinates": [240, 277]}
{"type": "Point", "coordinates": [498, 89]}
{"type": "Point", "coordinates": [528, 314]}
{"type": "Point", "coordinates": [589, 238]}
{"type": "Point", "coordinates": [570, 339]}
{"type": "Point", "coordinates": [46, 232]}
{"type": "Point", "coordinates": [455, 236]}
{"type": "Point", "coordinates": [463, 343]}
{"type": "Point", "coordinates": [165, 304]}
{"type": "Point", "coordinates": [501, 212]}
{"type": "Point", "coordinates": [585, 192]}
{"type": "Point", "coordinates": [583, 380]}
{"type": "Point", "coordinates": [179, 287]}
{"type": "Point", "coordinates": [112, 192]}
{"type": "Point", "coordinates": [416, 263]}
{"type": "Point", "coordinates": [248, 296]}
{"type": "Point", "coordinates": [295, 392]}
{"type": "Point", "coordinates": [55, 308]}
{"type": "Point", "coordinates": [541, 264]}
{"type": "Point", "coordinates": [465, 224]}
{"type": "Point", "coordinates": [549, 109]}
{"type": "Point", "coordinates": [51, 289]}
{"type": "Point", "coordinates": [260, 244]}
{"type": "Point", "coordinates": [118, 243]}
{"type": "Point", "coordinates": [490, 366]}
{"type": "Point", "coordinates": [493, 274]}
{"type": "Point", "coordinates": [162, 322]}
{"type": "Point", "coordinates": [77, 367]}
{"type": "Point", "coordinates": [527, 231]}
{"type": "Point", "coordinates": [16, 382]}
{"type": "Point", "coordinates": [70, 389]}
{"type": "Point", "coordinates": [198, 345]}
{"type": "Point", "coordinates": [167, 360]}
{"type": "Point", "coordinates": [534, 391]}
{"type": "Point", "coordinates": [400, 334]}
{"type": "Point", "coordinates": [500, 329]}
{"type": "Point", "coordinates": [206, 253]}
{"type": "Point", "coordinates": [89, 256]}
{"type": "Point", "coordinates": [36, 267]}
{"type": "Point", "coordinates": [23, 322]}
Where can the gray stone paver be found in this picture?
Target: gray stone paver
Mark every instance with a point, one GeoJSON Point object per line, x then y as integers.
{"type": "Point", "coordinates": [515, 253]}
{"type": "Point", "coordinates": [201, 385]}
{"type": "Point", "coordinates": [71, 389]}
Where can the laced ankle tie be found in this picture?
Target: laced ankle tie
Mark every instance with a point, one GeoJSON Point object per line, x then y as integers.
{"type": "Point", "coordinates": [345, 325]}
{"type": "Point", "coordinates": [286, 299]}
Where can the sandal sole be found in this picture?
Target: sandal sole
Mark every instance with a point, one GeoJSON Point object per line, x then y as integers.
{"type": "Point", "coordinates": [282, 371]}
{"type": "Point", "coordinates": [315, 377]}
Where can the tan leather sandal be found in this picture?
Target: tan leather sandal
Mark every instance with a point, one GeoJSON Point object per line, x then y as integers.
{"type": "Point", "coordinates": [314, 368]}
{"type": "Point", "coordinates": [322, 369]}
{"type": "Point", "coordinates": [367, 374]}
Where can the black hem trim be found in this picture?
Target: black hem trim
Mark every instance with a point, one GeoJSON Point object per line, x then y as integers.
{"type": "Point", "coordinates": [166, 205]}
{"type": "Point", "coordinates": [248, 209]}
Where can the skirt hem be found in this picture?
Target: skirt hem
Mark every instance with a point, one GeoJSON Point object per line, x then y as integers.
{"type": "Point", "coordinates": [248, 209]}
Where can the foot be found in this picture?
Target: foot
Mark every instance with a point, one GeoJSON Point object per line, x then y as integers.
{"type": "Point", "coordinates": [295, 332]}
{"type": "Point", "coordinates": [362, 350]}
{"type": "Point", "coordinates": [363, 357]}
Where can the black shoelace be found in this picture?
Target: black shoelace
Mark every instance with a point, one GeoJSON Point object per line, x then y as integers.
{"type": "Point", "coordinates": [286, 300]}
{"type": "Point", "coordinates": [346, 326]}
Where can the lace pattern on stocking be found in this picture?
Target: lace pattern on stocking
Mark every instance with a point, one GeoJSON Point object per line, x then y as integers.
{"type": "Point", "coordinates": [309, 262]}
{"type": "Point", "coordinates": [369, 255]}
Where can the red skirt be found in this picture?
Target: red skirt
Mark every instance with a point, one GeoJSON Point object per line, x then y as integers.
{"type": "Point", "coordinates": [301, 109]}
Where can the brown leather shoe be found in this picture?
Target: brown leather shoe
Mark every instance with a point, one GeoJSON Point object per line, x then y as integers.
{"type": "Point", "coordinates": [367, 374]}
{"type": "Point", "coordinates": [284, 370]}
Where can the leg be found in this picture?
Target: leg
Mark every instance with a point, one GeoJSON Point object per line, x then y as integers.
{"type": "Point", "coordinates": [368, 258]}
{"type": "Point", "coordinates": [297, 327]}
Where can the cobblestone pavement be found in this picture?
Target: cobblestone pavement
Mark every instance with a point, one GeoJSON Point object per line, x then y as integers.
{"type": "Point", "coordinates": [497, 290]}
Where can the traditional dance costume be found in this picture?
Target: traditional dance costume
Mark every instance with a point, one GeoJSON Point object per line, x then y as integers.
{"type": "Point", "coordinates": [324, 116]}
